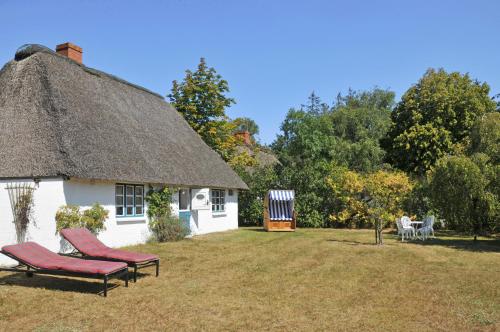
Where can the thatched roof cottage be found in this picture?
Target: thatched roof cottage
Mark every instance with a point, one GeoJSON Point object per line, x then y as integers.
{"type": "Point", "coordinates": [81, 136]}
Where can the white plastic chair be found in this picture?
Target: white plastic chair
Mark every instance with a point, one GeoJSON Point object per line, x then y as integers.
{"type": "Point", "coordinates": [398, 224]}
{"type": "Point", "coordinates": [427, 228]}
{"type": "Point", "coordinates": [432, 219]}
{"type": "Point", "coordinates": [405, 228]}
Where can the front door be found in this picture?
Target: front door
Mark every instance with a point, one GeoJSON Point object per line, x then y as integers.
{"type": "Point", "coordinates": [185, 207]}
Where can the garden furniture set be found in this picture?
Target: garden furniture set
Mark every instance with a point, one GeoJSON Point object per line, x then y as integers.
{"type": "Point", "coordinates": [415, 229]}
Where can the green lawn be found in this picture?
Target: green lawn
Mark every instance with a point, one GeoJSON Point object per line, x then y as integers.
{"type": "Point", "coordinates": [253, 280]}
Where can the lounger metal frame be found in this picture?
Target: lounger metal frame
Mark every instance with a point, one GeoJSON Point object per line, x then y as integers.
{"type": "Point", "coordinates": [135, 266]}
{"type": "Point", "coordinates": [30, 270]}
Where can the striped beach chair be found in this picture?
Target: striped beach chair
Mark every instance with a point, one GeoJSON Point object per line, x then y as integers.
{"type": "Point", "coordinates": [279, 213]}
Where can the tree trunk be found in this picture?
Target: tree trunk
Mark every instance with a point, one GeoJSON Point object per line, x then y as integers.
{"type": "Point", "coordinates": [378, 233]}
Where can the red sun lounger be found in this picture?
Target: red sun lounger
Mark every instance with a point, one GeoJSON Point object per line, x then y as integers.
{"type": "Point", "coordinates": [89, 247]}
{"type": "Point", "coordinates": [33, 258]}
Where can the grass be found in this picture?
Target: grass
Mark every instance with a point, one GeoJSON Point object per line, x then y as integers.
{"type": "Point", "coordinates": [253, 280]}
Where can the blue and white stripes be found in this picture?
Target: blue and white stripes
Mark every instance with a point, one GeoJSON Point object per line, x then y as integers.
{"type": "Point", "coordinates": [281, 204]}
{"type": "Point", "coordinates": [281, 195]}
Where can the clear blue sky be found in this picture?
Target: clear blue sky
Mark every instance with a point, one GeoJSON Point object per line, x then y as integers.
{"type": "Point", "coordinates": [273, 53]}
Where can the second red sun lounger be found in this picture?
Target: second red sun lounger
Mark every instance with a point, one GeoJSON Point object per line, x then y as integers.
{"type": "Point", "coordinates": [91, 248]}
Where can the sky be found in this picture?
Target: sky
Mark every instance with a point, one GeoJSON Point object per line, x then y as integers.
{"type": "Point", "coordinates": [272, 53]}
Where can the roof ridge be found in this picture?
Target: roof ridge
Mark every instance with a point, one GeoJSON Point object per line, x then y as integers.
{"type": "Point", "coordinates": [27, 50]}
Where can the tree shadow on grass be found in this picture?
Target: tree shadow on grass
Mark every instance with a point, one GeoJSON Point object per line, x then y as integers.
{"type": "Point", "coordinates": [460, 242]}
{"type": "Point", "coordinates": [367, 243]}
{"type": "Point", "coordinates": [64, 284]}
{"type": "Point", "coordinates": [253, 229]}
{"type": "Point", "coordinates": [350, 242]}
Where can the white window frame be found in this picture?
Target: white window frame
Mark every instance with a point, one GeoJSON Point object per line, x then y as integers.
{"type": "Point", "coordinates": [218, 200]}
{"type": "Point", "coordinates": [134, 196]}
{"type": "Point", "coordinates": [122, 195]}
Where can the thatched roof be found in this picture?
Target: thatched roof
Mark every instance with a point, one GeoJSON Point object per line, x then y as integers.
{"type": "Point", "coordinates": [60, 118]}
{"type": "Point", "coordinates": [264, 158]}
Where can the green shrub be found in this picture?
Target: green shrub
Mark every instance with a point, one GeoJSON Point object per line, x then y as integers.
{"type": "Point", "coordinates": [167, 228]}
{"type": "Point", "coordinates": [70, 216]}
{"type": "Point", "coordinates": [463, 193]}
{"type": "Point", "coordinates": [163, 225]}
{"type": "Point", "coordinates": [159, 203]}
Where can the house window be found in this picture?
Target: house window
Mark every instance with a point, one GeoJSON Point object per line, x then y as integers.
{"type": "Point", "coordinates": [218, 200]}
{"type": "Point", "coordinates": [119, 201]}
{"type": "Point", "coordinates": [129, 200]}
{"type": "Point", "coordinates": [184, 199]}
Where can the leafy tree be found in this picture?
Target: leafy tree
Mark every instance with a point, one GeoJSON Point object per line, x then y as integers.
{"type": "Point", "coordinates": [418, 201]}
{"type": "Point", "coordinates": [347, 134]}
{"type": "Point", "coordinates": [447, 104]}
{"type": "Point", "coordinates": [348, 189]}
{"type": "Point", "coordinates": [202, 101]}
{"type": "Point", "coordinates": [246, 124]}
{"type": "Point", "coordinates": [497, 99]}
{"type": "Point", "coordinates": [314, 138]}
{"type": "Point", "coordinates": [375, 98]}
{"type": "Point", "coordinates": [313, 202]}
{"type": "Point", "coordinates": [485, 136]}
{"type": "Point", "coordinates": [251, 202]}
{"type": "Point", "coordinates": [372, 199]}
{"type": "Point", "coordinates": [358, 126]}
{"type": "Point", "coordinates": [386, 192]}
{"type": "Point", "coordinates": [421, 146]}
{"type": "Point", "coordinates": [464, 195]}
{"type": "Point", "coordinates": [314, 105]}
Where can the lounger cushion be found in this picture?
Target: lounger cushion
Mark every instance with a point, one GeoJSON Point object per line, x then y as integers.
{"type": "Point", "coordinates": [127, 256]}
{"type": "Point", "coordinates": [86, 242]}
{"type": "Point", "coordinates": [83, 240]}
{"type": "Point", "coordinates": [42, 258]}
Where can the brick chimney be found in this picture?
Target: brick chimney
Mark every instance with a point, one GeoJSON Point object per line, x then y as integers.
{"type": "Point", "coordinates": [71, 51]}
{"type": "Point", "coordinates": [244, 136]}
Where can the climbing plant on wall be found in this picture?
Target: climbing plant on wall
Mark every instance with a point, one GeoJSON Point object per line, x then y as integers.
{"type": "Point", "coordinates": [21, 202]}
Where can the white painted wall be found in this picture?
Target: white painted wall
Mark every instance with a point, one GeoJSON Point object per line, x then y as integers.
{"type": "Point", "coordinates": [50, 194]}
{"type": "Point", "coordinates": [206, 221]}
{"type": "Point", "coordinates": [120, 231]}
{"type": "Point", "coordinates": [48, 197]}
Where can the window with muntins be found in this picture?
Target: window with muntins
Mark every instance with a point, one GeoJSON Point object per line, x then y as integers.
{"type": "Point", "coordinates": [129, 200]}
{"type": "Point", "coordinates": [218, 200]}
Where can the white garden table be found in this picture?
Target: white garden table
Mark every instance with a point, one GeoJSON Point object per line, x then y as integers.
{"type": "Point", "coordinates": [415, 225]}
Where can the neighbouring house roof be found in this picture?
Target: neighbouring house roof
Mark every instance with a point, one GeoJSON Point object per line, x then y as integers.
{"type": "Point", "coordinates": [61, 118]}
{"type": "Point", "coordinates": [264, 158]}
